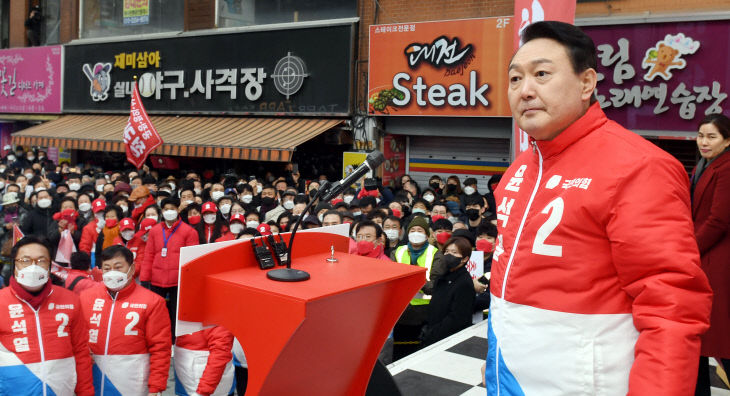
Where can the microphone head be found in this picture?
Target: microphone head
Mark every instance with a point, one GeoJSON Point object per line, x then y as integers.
{"type": "Point", "coordinates": [375, 159]}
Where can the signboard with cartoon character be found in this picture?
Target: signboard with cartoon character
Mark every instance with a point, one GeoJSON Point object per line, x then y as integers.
{"type": "Point", "coordinates": [662, 76]}
{"type": "Point", "coordinates": [274, 72]}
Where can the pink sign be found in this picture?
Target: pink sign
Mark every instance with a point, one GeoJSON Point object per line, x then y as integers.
{"type": "Point", "coordinates": [30, 80]}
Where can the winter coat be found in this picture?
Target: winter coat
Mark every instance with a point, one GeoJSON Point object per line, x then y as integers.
{"type": "Point", "coordinates": [204, 362]}
{"type": "Point", "coordinates": [450, 310]}
{"type": "Point", "coordinates": [163, 271]}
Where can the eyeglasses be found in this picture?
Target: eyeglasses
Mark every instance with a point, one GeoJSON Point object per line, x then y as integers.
{"type": "Point", "coordinates": [42, 261]}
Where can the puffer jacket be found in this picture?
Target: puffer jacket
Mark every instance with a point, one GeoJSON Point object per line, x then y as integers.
{"type": "Point", "coordinates": [162, 271]}
{"type": "Point", "coordinates": [204, 362]}
{"type": "Point", "coordinates": [596, 285]}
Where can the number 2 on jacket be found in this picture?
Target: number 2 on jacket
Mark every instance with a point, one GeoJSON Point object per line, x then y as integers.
{"type": "Point", "coordinates": [555, 208]}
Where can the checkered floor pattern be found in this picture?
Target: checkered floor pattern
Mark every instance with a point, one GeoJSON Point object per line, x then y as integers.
{"type": "Point", "coordinates": [453, 367]}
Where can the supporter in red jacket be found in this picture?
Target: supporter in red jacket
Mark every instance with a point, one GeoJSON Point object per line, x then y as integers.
{"type": "Point", "coordinates": [162, 254]}
{"type": "Point", "coordinates": [91, 230]}
{"type": "Point", "coordinates": [238, 223]}
{"type": "Point", "coordinates": [129, 330]}
{"type": "Point", "coordinates": [79, 277]}
{"type": "Point", "coordinates": [135, 241]}
{"type": "Point", "coordinates": [43, 336]}
{"type": "Point", "coordinates": [368, 235]}
{"type": "Point", "coordinates": [204, 363]}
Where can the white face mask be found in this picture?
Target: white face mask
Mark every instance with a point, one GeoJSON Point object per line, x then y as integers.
{"type": "Point", "coordinates": [247, 199]}
{"type": "Point", "coordinates": [236, 228]}
{"type": "Point", "coordinates": [453, 219]}
{"type": "Point", "coordinates": [124, 207]}
{"type": "Point", "coordinates": [288, 205]}
{"type": "Point", "coordinates": [259, 189]}
{"type": "Point", "coordinates": [428, 198]}
{"type": "Point", "coordinates": [198, 191]}
{"type": "Point", "coordinates": [99, 187]}
{"type": "Point", "coordinates": [469, 190]}
{"type": "Point", "coordinates": [127, 234]}
{"type": "Point", "coordinates": [225, 208]}
{"type": "Point", "coordinates": [2, 184]}
{"type": "Point", "coordinates": [28, 176]}
{"type": "Point", "coordinates": [153, 217]}
{"type": "Point", "coordinates": [116, 280]}
{"type": "Point", "coordinates": [84, 206]}
{"type": "Point", "coordinates": [172, 185]}
{"type": "Point", "coordinates": [348, 198]}
{"type": "Point", "coordinates": [216, 195]}
{"type": "Point", "coordinates": [356, 213]}
{"type": "Point", "coordinates": [392, 234]}
{"type": "Point", "coordinates": [418, 210]}
{"type": "Point", "coordinates": [31, 157]}
{"type": "Point", "coordinates": [416, 238]}
{"type": "Point", "coordinates": [11, 158]}
{"type": "Point", "coordinates": [209, 218]}
{"type": "Point", "coordinates": [189, 202]}
{"type": "Point", "coordinates": [32, 276]}
{"type": "Point", "coordinates": [74, 186]}
{"type": "Point", "coordinates": [321, 217]}
{"type": "Point", "coordinates": [169, 214]}
{"type": "Point", "coordinates": [252, 224]}
{"type": "Point", "coordinates": [44, 203]}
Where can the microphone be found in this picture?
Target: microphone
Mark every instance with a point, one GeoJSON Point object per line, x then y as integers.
{"type": "Point", "coordinates": [372, 162]}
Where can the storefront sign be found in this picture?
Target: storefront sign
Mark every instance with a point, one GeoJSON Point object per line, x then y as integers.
{"type": "Point", "coordinates": [30, 80]}
{"type": "Point", "coordinates": [136, 12]}
{"type": "Point", "coordinates": [447, 68]}
{"type": "Point", "coordinates": [282, 72]}
{"type": "Point", "coordinates": [662, 76]}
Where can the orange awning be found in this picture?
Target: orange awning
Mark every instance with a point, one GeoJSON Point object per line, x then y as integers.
{"type": "Point", "coordinates": [263, 139]}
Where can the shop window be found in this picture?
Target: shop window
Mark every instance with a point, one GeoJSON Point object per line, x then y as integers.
{"type": "Point", "coordinates": [50, 21]}
{"type": "Point", "coordinates": [105, 18]}
{"type": "Point", "coordinates": [260, 12]}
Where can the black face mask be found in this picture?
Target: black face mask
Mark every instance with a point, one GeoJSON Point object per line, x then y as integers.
{"type": "Point", "coordinates": [434, 185]}
{"type": "Point", "coordinates": [451, 261]}
{"type": "Point", "coordinates": [473, 214]}
{"type": "Point", "coordinates": [267, 201]}
{"type": "Point", "coordinates": [312, 193]}
{"type": "Point", "coordinates": [451, 188]}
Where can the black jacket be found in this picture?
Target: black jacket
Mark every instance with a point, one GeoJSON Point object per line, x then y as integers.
{"type": "Point", "coordinates": [450, 309]}
{"type": "Point", "coordinates": [39, 222]}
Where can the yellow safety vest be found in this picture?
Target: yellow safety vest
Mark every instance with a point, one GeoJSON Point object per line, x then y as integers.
{"type": "Point", "coordinates": [402, 255]}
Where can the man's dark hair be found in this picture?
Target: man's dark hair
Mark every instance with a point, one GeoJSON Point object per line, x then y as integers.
{"type": "Point", "coordinates": [377, 214]}
{"type": "Point", "coordinates": [473, 199]}
{"type": "Point", "coordinates": [394, 218]}
{"type": "Point", "coordinates": [117, 250]}
{"type": "Point", "coordinates": [370, 223]}
{"type": "Point", "coordinates": [580, 47]}
{"type": "Point", "coordinates": [80, 261]}
{"type": "Point", "coordinates": [487, 228]}
{"type": "Point", "coordinates": [169, 201]}
{"type": "Point", "coordinates": [368, 201]}
{"type": "Point", "coordinates": [333, 212]}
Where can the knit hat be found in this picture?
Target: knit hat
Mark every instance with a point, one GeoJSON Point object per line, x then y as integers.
{"type": "Point", "coordinates": [419, 221]}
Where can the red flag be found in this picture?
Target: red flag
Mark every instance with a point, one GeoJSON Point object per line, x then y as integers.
{"type": "Point", "coordinates": [527, 12]}
{"type": "Point", "coordinates": [140, 136]}
{"type": "Point", "coordinates": [17, 234]}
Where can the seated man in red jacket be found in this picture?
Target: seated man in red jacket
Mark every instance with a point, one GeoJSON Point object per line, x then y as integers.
{"type": "Point", "coordinates": [129, 330]}
{"type": "Point", "coordinates": [204, 363]}
{"type": "Point", "coordinates": [43, 336]}
{"type": "Point", "coordinates": [162, 254]}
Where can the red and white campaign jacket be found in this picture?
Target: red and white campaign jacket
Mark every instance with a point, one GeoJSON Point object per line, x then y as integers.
{"type": "Point", "coordinates": [204, 362]}
{"type": "Point", "coordinates": [596, 285]}
{"type": "Point", "coordinates": [44, 351]}
{"type": "Point", "coordinates": [129, 336]}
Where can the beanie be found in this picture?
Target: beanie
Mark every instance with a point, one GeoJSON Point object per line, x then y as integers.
{"type": "Point", "coordinates": [419, 221]}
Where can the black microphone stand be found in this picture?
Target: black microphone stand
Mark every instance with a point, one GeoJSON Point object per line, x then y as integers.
{"type": "Point", "coordinates": [290, 274]}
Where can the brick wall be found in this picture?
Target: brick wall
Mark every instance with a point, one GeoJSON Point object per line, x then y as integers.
{"type": "Point", "coordinates": [199, 14]}
{"type": "Point", "coordinates": [19, 10]}
{"type": "Point", "coordinates": [69, 29]}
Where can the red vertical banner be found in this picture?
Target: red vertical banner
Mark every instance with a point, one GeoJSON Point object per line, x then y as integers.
{"type": "Point", "coordinates": [140, 136]}
{"type": "Point", "coordinates": [527, 12]}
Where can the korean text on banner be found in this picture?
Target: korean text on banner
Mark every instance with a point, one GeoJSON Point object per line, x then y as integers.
{"type": "Point", "coordinates": [527, 12]}
{"type": "Point", "coordinates": [140, 136]}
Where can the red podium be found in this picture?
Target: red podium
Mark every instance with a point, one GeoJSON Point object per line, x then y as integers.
{"type": "Point", "coordinates": [317, 337]}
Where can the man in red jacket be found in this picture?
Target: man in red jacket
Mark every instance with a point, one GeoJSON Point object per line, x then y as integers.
{"type": "Point", "coordinates": [162, 254]}
{"type": "Point", "coordinates": [43, 336]}
{"type": "Point", "coordinates": [596, 286]}
{"type": "Point", "coordinates": [204, 363]}
{"type": "Point", "coordinates": [129, 330]}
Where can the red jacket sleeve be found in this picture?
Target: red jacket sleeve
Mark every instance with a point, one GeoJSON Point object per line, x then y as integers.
{"type": "Point", "coordinates": [159, 345]}
{"type": "Point", "coordinates": [88, 237]}
{"type": "Point", "coordinates": [717, 223]}
{"type": "Point", "coordinates": [81, 351]}
{"type": "Point", "coordinates": [145, 273]}
{"type": "Point", "coordinates": [657, 262]}
{"type": "Point", "coordinates": [220, 344]}
{"type": "Point", "coordinates": [192, 238]}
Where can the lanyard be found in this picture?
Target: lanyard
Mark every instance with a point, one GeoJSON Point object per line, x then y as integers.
{"type": "Point", "coordinates": [165, 239]}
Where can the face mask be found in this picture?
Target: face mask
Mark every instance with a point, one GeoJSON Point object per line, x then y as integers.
{"type": "Point", "coordinates": [247, 199]}
{"type": "Point", "coordinates": [356, 214]}
{"type": "Point", "coordinates": [198, 191]}
{"type": "Point", "coordinates": [116, 280]}
{"type": "Point", "coordinates": [236, 228]}
{"type": "Point", "coordinates": [193, 220]}
{"type": "Point", "coordinates": [453, 219]}
{"type": "Point", "coordinates": [31, 157]}
{"type": "Point", "coordinates": [99, 216]}
{"type": "Point", "coordinates": [320, 217]}
{"type": "Point", "coordinates": [434, 185]}
{"type": "Point", "coordinates": [469, 190]}
{"type": "Point", "coordinates": [226, 208]}
{"type": "Point", "coordinates": [169, 214]}
{"type": "Point", "coordinates": [85, 207]}
{"type": "Point", "coordinates": [348, 198]}
{"type": "Point", "coordinates": [416, 238]}
{"type": "Point", "coordinates": [392, 234]}
{"type": "Point", "coordinates": [451, 188]}
{"type": "Point", "coordinates": [124, 208]}
{"type": "Point", "coordinates": [32, 276]}
{"type": "Point", "coordinates": [485, 246]}
{"type": "Point", "coordinates": [127, 234]}
{"type": "Point", "coordinates": [365, 247]}
{"type": "Point", "coordinates": [451, 261]}
{"type": "Point", "coordinates": [172, 185]}
{"type": "Point", "coordinates": [44, 203]}
{"type": "Point", "coordinates": [288, 205]}
{"type": "Point", "coordinates": [216, 195]}
{"type": "Point", "coordinates": [442, 237]}
{"type": "Point", "coordinates": [110, 223]}
{"type": "Point", "coordinates": [74, 186]}
{"type": "Point", "coordinates": [473, 214]}
{"type": "Point", "coordinates": [11, 158]}
{"type": "Point", "coordinates": [100, 187]}
{"type": "Point", "coordinates": [428, 198]}
{"type": "Point", "coordinates": [259, 189]}
{"type": "Point", "coordinates": [189, 202]}
{"type": "Point", "coordinates": [209, 218]}
{"type": "Point", "coordinates": [2, 184]}
{"type": "Point", "coordinates": [267, 201]}
{"type": "Point", "coordinates": [418, 210]}
{"type": "Point", "coordinates": [153, 217]}
{"type": "Point", "coordinates": [28, 176]}
{"type": "Point", "coordinates": [252, 224]}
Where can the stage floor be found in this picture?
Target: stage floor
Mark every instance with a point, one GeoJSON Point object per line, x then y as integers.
{"type": "Point", "coordinates": [453, 367]}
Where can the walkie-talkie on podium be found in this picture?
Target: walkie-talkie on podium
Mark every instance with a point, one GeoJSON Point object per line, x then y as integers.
{"type": "Point", "coordinates": [326, 192]}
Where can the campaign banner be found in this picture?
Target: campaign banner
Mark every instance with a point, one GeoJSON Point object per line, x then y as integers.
{"type": "Point", "coordinates": [140, 136]}
{"type": "Point", "coordinates": [394, 150]}
{"type": "Point", "coordinates": [445, 68]}
{"type": "Point", "coordinates": [136, 12]}
{"type": "Point", "coordinates": [30, 80]}
{"type": "Point", "coordinates": [476, 264]}
{"type": "Point", "coordinates": [662, 76]}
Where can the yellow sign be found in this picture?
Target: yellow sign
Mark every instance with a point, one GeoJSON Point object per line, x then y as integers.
{"type": "Point", "coordinates": [350, 162]}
